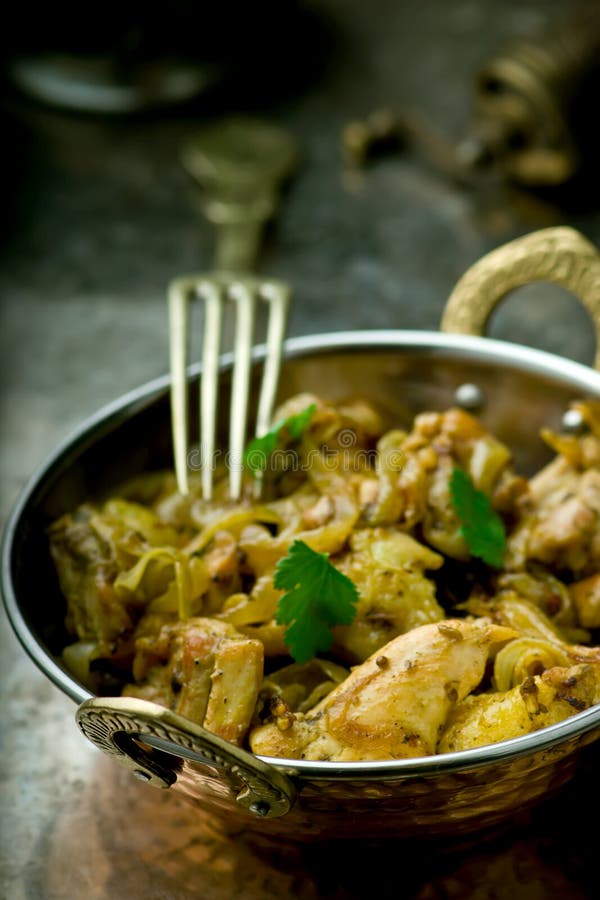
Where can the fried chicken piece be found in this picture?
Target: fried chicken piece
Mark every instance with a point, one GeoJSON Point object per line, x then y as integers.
{"type": "Point", "coordinates": [87, 568]}
{"type": "Point", "coordinates": [559, 521]}
{"type": "Point", "coordinates": [461, 440]}
{"type": "Point", "coordinates": [396, 703]}
{"type": "Point", "coordinates": [414, 490]}
{"type": "Point", "coordinates": [512, 611]}
{"type": "Point", "coordinates": [538, 588]}
{"type": "Point", "coordinates": [538, 701]}
{"type": "Point", "coordinates": [202, 668]}
{"type": "Point", "coordinates": [90, 548]}
{"type": "Point", "coordinates": [586, 600]}
{"type": "Point", "coordinates": [566, 530]}
{"type": "Point", "coordinates": [328, 421]}
{"type": "Point", "coordinates": [222, 556]}
{"type": "Point", "coordinates": [388, 568]}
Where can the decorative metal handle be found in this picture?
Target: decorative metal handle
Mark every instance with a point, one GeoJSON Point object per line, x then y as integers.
{"type": "Point", "coordinates": [163, 748]}
{"type": "Point", "coordinates": [559, 255]}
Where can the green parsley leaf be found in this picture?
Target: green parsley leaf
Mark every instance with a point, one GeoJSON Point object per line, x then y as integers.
{"type": "Point", "coordinates": [481, 526]}
{"type": "Point", "coordinates": [258, 451]}
{"type": "Point", "coordinates": [318, 596]}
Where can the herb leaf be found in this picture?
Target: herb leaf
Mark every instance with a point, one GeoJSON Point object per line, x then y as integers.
{"type": "Point", "coordinates": [481, 526]}
{"type": "Point", "coordinates": [318, 596]}
{"type": "Point", "coordinates": [258, 451]}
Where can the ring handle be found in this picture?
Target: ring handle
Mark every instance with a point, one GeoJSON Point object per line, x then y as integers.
{"type": "Point", "coordinates": [558, 255]}
{"type": "Point", "coordinates": [163, 748]}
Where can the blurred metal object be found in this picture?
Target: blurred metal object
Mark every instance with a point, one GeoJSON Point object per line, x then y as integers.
{"type": "Point", "coordinates": [385, 131]}
{"type": "Point", "coordinates": [113, 59]}
{"type": "Point", "coordinates": [240, 164]}
{"type": "Point", "coordinates": [573, 422]}
{"type": "Point", "coordinates": [102, 85]}
{"type": "Point", "coordinates": [469, 396]}
{"type": "Point", "coordinates": [120, 59]}
{"type": "Point", "coordinates": [535, 102]}
{"type": "Point", "coordinates": [534, 114]}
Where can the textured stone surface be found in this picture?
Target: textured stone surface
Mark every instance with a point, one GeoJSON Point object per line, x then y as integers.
{"type": "Point", "coordinates": [97, 217]}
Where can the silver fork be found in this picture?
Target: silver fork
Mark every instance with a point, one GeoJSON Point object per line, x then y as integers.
{"type": "Point", "coordinates": [241, 164]}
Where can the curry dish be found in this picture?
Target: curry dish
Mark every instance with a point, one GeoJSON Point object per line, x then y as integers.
{"type": "Point", "coordinates": [172, 598]}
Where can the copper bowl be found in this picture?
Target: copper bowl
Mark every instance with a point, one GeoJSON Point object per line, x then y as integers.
{"type": "Point", "coordinates": [450, 794]}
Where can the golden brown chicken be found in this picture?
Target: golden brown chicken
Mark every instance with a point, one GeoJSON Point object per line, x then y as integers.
{"type": "Point", "coordinates": [542, 645]}
{"type": "Point", "coordinates": [559, 521]}
{"type": "Point", "coordinates": [201, 668]}
{"type": "Point", "coordinates": [388, 568]}
{"type": "Point", "coordinates": [396, 703]}
{"type": "Point", "coordinates": [417, 492]}
{"type": "Point", "coordinates": [538, 701]}
{"type": "Point", "coordinates": [175, 598]}
{"type": "Point", "coordinates": [585, 596]}
{"type": "Point", "coordinates": [90, 548]}
{"type": "Point", "coordinates": [395, 596]}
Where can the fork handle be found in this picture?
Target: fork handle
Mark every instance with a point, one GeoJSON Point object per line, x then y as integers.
{"type": "Point", "coordinates": [239, 223]}
{"type": "Point", "coordinates": [237, 246]}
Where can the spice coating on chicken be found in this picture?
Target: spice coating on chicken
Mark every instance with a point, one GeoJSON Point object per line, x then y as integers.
{"type": "Point", "coordinates": [437, 443]}
{"type": "Point", "coordinates": [395, 596]}
{"type": "Point", "coordinates": [203, 669]}
{"type": "Point", "coordinates": [173, 598]}
{"type": "Point", "coordinates": [560, 515]}
{"type": "Point", "coordinates": [396, 703]}
{"type": "Point", "coordinates": [538, 701]}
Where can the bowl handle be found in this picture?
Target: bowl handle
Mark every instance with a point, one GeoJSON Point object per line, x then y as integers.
{"type": "Point", "coordinates": [164, 748]}
{"type": "Point", "coordinates": [559, 255]}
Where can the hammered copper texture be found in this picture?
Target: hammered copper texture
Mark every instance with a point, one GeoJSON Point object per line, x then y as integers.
{"type": "Point", "coordinates": [442, 804]}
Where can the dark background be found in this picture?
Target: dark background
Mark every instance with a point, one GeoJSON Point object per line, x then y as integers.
{"type": "Point", "coordinates": [97, 215]}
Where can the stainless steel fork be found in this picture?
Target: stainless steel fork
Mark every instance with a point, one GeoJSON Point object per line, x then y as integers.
{"type": "Point", "coordinates": [240, 164]}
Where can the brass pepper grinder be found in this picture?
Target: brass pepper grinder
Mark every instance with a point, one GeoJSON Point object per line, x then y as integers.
{"type": "Point", "coordinates": [536, 105]}
{"type": "Point", "coordinates": [534, 121]}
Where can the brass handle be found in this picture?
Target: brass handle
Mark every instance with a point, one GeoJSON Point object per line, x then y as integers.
{"type": "Point", "coordinates": [162, 747]}
{"type": "Point", "coordinates": [559, 255]}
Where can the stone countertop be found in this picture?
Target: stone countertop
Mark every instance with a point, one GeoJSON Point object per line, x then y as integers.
{"type": "Point", "coordinates": [98, 217]}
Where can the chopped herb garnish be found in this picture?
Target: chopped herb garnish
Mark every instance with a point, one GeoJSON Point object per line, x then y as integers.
{"type": "Point", "coordinates": [258, 451]}
{"type": "Point", "coordinates": [481, 526]}
{"type": "Point", "coordinates": [318, 596]}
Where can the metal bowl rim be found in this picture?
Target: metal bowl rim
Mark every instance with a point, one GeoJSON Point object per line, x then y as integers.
{"type": "Point", "coordinates": [474, 349]}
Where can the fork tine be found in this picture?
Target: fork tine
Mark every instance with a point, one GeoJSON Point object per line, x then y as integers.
{"type": "Point", "coordinates": [214, 291]}
{"type": "Point", "coordinates": [178, 331]}
{"type": "Point", "coordinates": [213, 316]}
{"type": "Point", "coordinates": [278, 297]}
{"type": "Point", "coordinates": [245, 299]}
